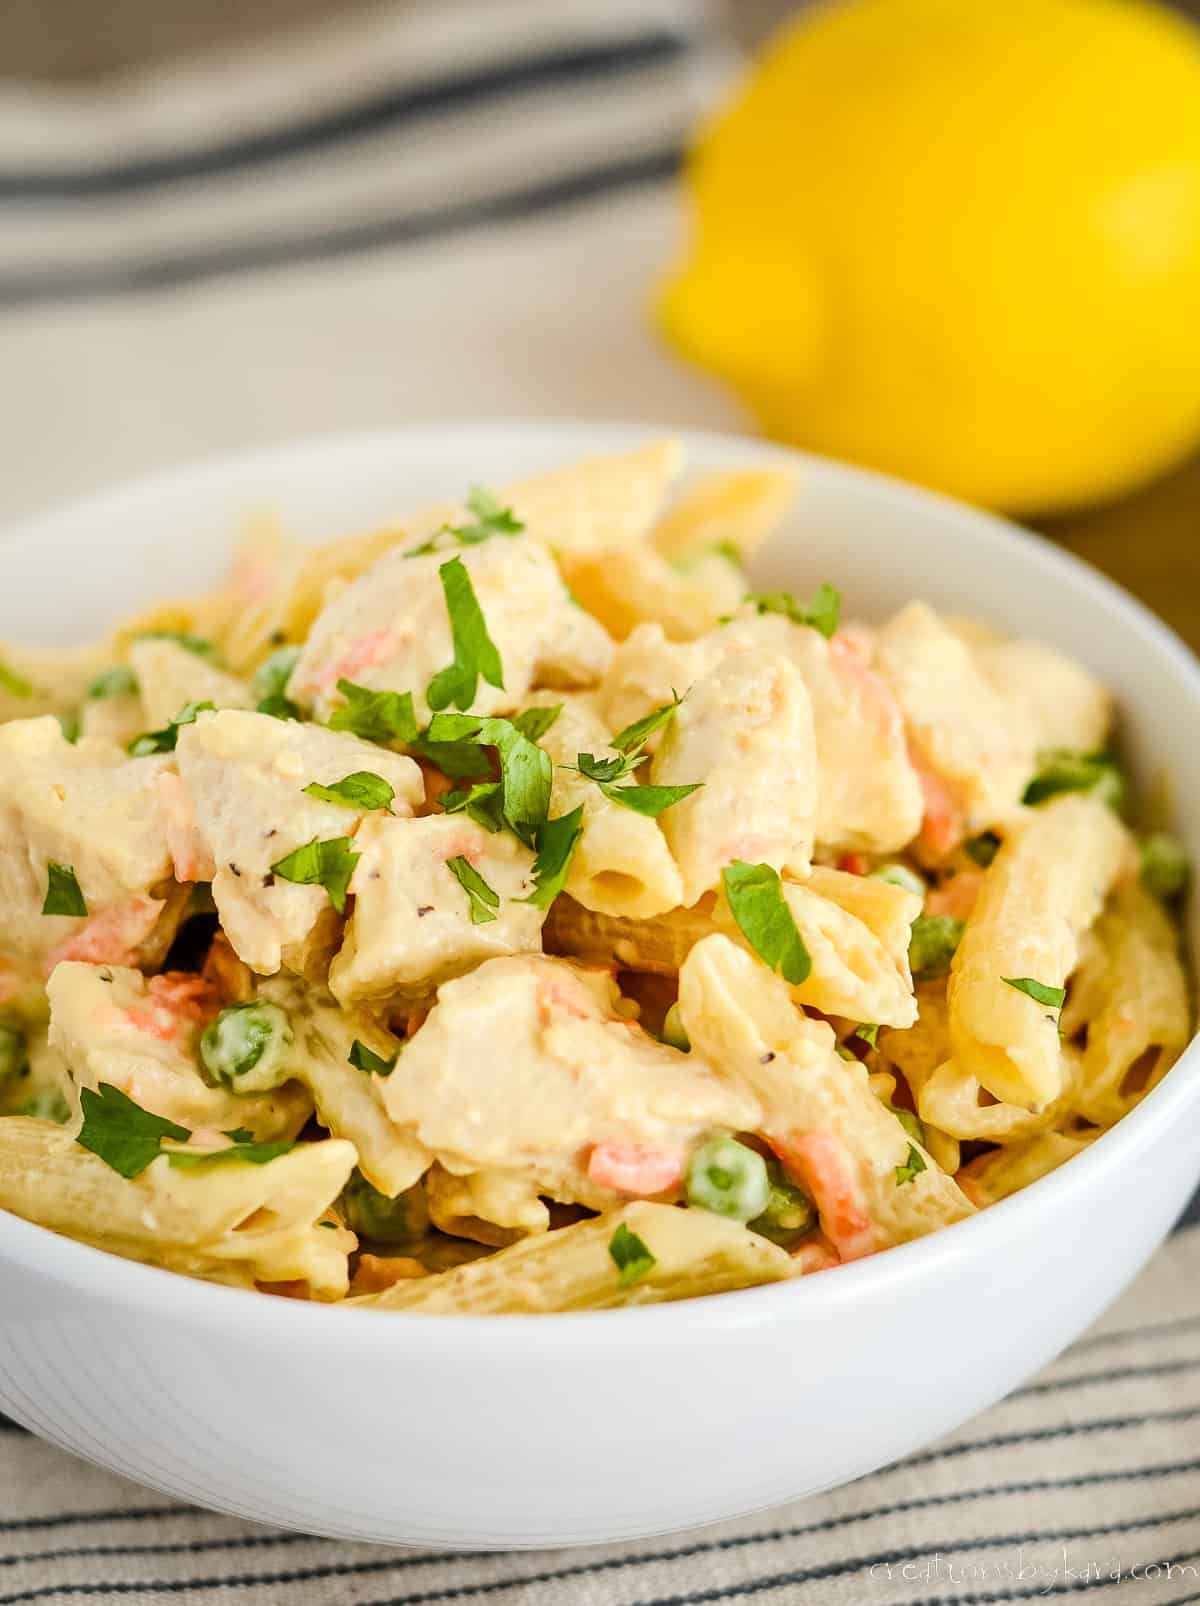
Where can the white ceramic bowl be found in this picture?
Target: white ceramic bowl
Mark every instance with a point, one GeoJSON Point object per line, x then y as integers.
{"type": "Point", "coordinates": [519, 1431]}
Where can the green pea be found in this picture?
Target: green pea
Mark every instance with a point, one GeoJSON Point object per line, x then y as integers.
{"type": "Point", "coordinates": [789, 1214]}
{"type": "Point", "coordinates": [272, 675]}
{"type": "Point", "coordinates": [373, 1215]}
{"type": "Point", "coordinates": [246, 1048]}
{"type": "Point", "coordinates": [932, 944]}
{"type": "Point", "coordinates": [1164, 866]}
{"type": "Point", "coordinates": [729, 1179]}
{"type": "Point", "coordinates": [900, 876]}
{"type": "Point", "coordinates": [14, 1054]}
{"type": "Point", "coordinates": [673, 1033]}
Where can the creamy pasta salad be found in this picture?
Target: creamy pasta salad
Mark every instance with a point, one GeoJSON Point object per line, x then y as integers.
{"type": "Point", "coordinates": [516, 911]}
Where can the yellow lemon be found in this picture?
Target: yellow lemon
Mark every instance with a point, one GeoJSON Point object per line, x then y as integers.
{"type": "Point", "coordinates": [959, 240]}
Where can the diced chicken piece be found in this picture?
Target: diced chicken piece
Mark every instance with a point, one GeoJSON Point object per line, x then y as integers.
{"type": "Point", "coordinates": [390, 629]}
{"type": "Point", "coordinates": [91, 808]}
{"type": "Point", "coordinates": [113, 719]}
{"type": "Point", "coordinates": [975, 748]}
{"type": "Point", "coordinates": [622, 864]}
{"type": "Point", "coordinates": [112, 1025]}
{"type": "Point", "coordinates": [525, 1068]}
{"type": "Point", "coordinates": [170, 676]}
{"type": "Point", "coordinates": [414, 924]}
{"type": "Point", "coordinates": [745, 731]}
{"type": "Point", "coordinates": [242, 808]}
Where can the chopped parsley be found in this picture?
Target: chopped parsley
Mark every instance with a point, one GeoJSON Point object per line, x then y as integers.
{"type": "Point", "coordinates": [491, 518]}
{"type": "Point", "coordinates": [634, 737]}
{"type": "Point", "coordinates": [243, 1153]}
{"type": "Point", "coordinates": [651, 800]}
{"type": "Point", "coordinates": [629, 751]}
{"type": "Point", "coordinates": [361, 790]}
{"type": "Point", "coordinates": [1062, 771]}
{"type": "Point", "coordinates": [483, 900]}
{"type": "Point", "coordinates": [982, 848]}
{"type": "Point", "coordinates": [821, 612]}
{"type": "Point", "coordinates": [868, 1034]}
{"type": "Point", "coordinates": [630, 1255]}
{"type": "Point", "coordinates": [63, 894]}
{"type": "Point", "coordinates": [535, 722]}
{"type": "Point", "coordinates": [329, 864]}
{"type": "Point", "coordinates": [932, 944]}
{"type": "Point", "coordinates": [16, 684]}
{"type": "Point", "coordinates": [118, 682]}
{"type": "Point", "coordinates": [556, 843]}
{"type": "Point", "coordinates": [475, 652]}
{"type": "Point", "coordinates": [70, 727]}
{"type": "Point", "coordinates": [120, 1132]}
{"type": "Point", "coordinates": [521, 798]}
{"type": "Point", "coordinates": [914, 1164]}
{"type": "Point", "coordinates": [365, 1059]}
{"type": "Point", "coordinates": [911, 1123]}
{"type": "Point", "coordinates": [272, 675]}
{"type": "Point", "coordinates": [754, 893]}
{"type": "Point", "coordinates": [1051, 997]}
{"type": "Point", "coordinates": [164, 741]}
{"type": "Point", "coordinates": [278, 707]}
{"type": "Point", "coordinates": [377, 716]}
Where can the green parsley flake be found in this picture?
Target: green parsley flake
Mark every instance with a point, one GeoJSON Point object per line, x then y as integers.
{"type": "Point", "coordinates": [382, 717]}
{"type": "Point", "coordinates": [868, 1034]}
{"type": "Point", "coordinates": [651, 800]}
{"type": "Point", "coordinates": [13, 683]}
{"type": "Point", "coordinates": [754, 893]}
{"type": "Point", "coordinates": [821, 613]}
{"type": "Point", "coordinates": [630, 1255]}
{"type": "Point", "coordinates": [118, 682]}
{"type": "Point", "coordinates": [914, 1164]}
{"type": "Point", "coordinates": [272, 675]}
{"type": "Point", "coordinates": [475, 652]}
{"type": "Point", "coordinates": [932, 944]}
{"type": "Point", "coordinates": [526, 773]}
{"type": "Point", "coordinates": [535, 722]}
{"type": "Point", "coordinates": [365, 1059]}
{"type": "Point", "coordinates": [1051, 997]}
{"type": "Point", "coordinates": [63, 894]}
{"type": "Point", "coordinates": [164, 741]}
{"type": "Point", "coordinates": [329, 864]}
{"type": "Point", "coordinates": [278, 707]}
{"type": "Point", "coordinates": [70, 727]}
{"type": "Point", "coordinates": [120, 1132]}
{"type": "Point", "coordinates": [1099, 774]}
{"type": "Point", "coordinates": [491, 518]}
{"type": "Point", "coordinates": [556, 843]}
{"type": "Point", "coordinates": [634, 737]}
{"type": "Point", "coordinates": [482, 899]}
{"type": "Point", "coordinates": [629, 751]}
{"type": "Point", "coordinates": [911, 1123]}
{"type": "Point", "coordinates": [361, 790]}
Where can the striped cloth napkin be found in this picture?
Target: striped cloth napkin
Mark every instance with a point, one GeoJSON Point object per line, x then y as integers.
{"type": "Point", "coordinates": [444, 212]}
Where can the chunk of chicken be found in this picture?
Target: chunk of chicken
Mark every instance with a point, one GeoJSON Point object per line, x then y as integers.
{"type": "Point", "coordinates": [170, 676]}
{"type": "Point", "coordinates": [390, 629]}
{"type": "Point", "coordinates": [238, 806]}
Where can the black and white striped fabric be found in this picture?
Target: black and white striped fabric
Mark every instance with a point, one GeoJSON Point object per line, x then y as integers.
{"type": "Point", "coordinates": [442, 211]}
{"type": "Point", "coordinates": [414, 211]}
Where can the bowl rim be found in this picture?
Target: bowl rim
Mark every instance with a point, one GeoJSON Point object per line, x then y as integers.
{"type": "Point", "coordinates": [53, 1257]}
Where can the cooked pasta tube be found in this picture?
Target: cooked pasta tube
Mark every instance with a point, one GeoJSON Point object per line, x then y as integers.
{"type": "Point", "coordinates": [872, 1183]}
{"type": "Point", "coordinates": [745, 733]}
{"type": "Point", "coordinates": [735, 509]}
{"type": "Point", "coordinates": [1043, 890]}
{"type": "Point", "coordinates": [348, 1096]}
{"type": "Point", "coordinates": [1135, 1006]}
{"type": "Point", "coordinates": [232, 1223]}
{"type": "Point", "coordinates": [622, 864]}
{"type": "Point", "coordinates": [141, 1036]}
{"type": "Point", "coordinates": [1005, 1171]}
{"type": "Point", "coordinates": [691, 1252]}
{"type": "Point", "coordinates": [687, 597]}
